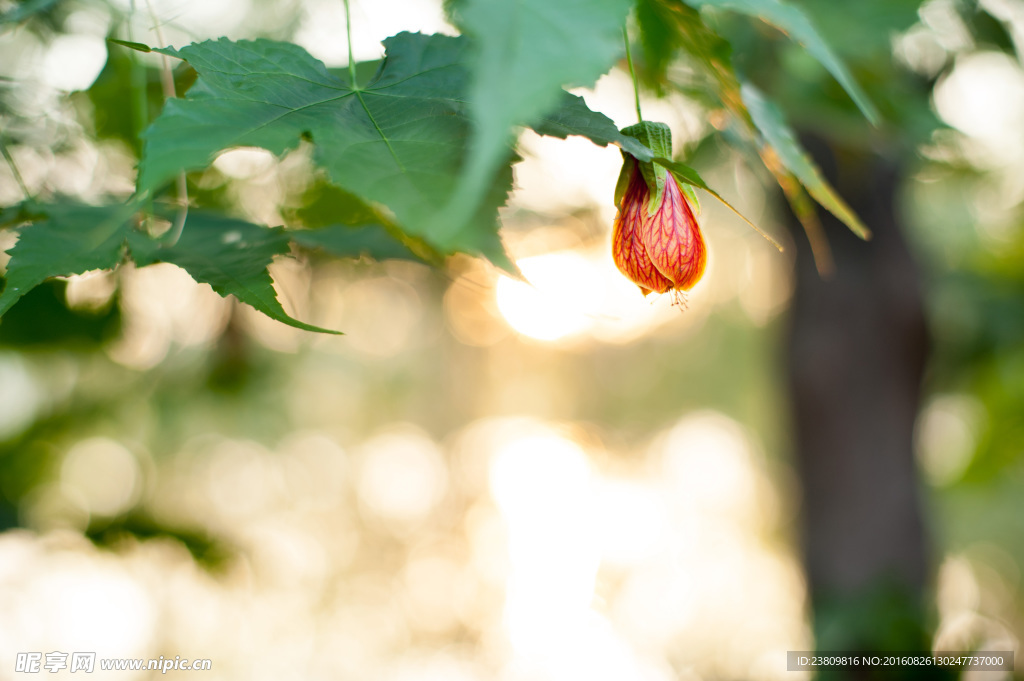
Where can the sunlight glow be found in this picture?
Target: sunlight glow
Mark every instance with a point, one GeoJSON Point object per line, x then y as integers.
{"type": "Point", "coordinates": [984, 97]}
{"type": "Point", "coordinates": [558, 303]}
{"type": "Point", "coordinates": [682, 542]}
{"type": "Point", "coordinates": [72, 62]}
{"type": "Point", "coordinates": [559, 565]}
{"type": "Point", "coordinates": [244, 162]}
{"type": "Point", "coordinates": [322, 27]}
{"type": "Point", "coordinates": [20, 395]}
{"type": "Point", "coordinates": [163, 305]}
{"type": "Point", "coordinates": [387, 311]}
{"type": "Point", "coordinates": [104, 473]}
{"type": "Point", "coordinates": [402, 476]}
{"type": "Point", "coordinates": [58, 596]}
{"type": "Point", "coordinates": [975, 601]}
{"type": "Point", "coordinates": [541, 483]}
{"type": "Point", "coordinates": [633, 518]}
{"type": "Point", "coordinates": [946, 436]}
{"type": "Point", "coordinates": [707, 458]}
{"type": "Point", "coordinates": [575, 295]}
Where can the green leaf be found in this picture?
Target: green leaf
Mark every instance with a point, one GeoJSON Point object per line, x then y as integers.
{"type": "Point", "coordinates": [399, 140]}
{"type": "Point", "coordinates": [325, 206]}
{"type": "Point", "coordinates": [793, 22]}
{"type": "Point", "coordinates": [138, 47]}
{"type": "Point", "coordinates": [525, 51]}
{"type": "Point", "coordinates": [572, 116]}
{"type": "Point", "coordinates": [230, 255]}
{"type": "Point", "coordinates": [658, 138]}
{"type": "Point", "coordinates": [42, 319]}
{"type": "Point", "coordinates": [125, 95]}
{"type": "Point", "coordinates": [67, 239]}
{"type": "Point", "coordinates": [686, 174]}
{"type": "Point", "coordinates": [669, 26]}
{"type": "Point", "coordinates": [343, 241]}
{"type": "Point", "coordinates": [658, 40]}
{"type": "Point", "coordinates": [15, 215]}
{"type": "Point", "coordinates": [862, 29]}
{"type": "Point", "coordinates": [780, 137]}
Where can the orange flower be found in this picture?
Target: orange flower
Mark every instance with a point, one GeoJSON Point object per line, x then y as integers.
{"type": "Point", "coordinates": [658, 247]}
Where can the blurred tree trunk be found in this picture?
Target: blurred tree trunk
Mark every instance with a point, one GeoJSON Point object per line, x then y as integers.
{"type": "Point", "coordinates": [857, 349]}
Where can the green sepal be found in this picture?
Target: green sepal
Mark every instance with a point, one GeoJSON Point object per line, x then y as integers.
{"type": "Point", "coordinates": [689, 193]}
{"type": "Point", "coordinates": [658, 138]}
{"type": "Point", "coordinates": [655, 136]}
{"type": "Point", "coordinates": [625, 175]}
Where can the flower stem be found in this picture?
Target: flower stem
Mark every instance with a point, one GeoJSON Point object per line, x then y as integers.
{"type": "Point", "coordinates": [14, 169]}
{"type": "Point", "coordinates": [167, 82]}
{"type": "Point", "coordinates": [351, 61]}
{"type": "Point", "coordinates": [632, 72]}
{"type": "Point", "coordinates": [140, 108]}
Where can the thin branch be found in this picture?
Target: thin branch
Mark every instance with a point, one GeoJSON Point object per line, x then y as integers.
{"type": "Point", "coordinates": [167, 81]}
{"type": "Point", "coordinates": [632, 72]}
{"type": "Point", "coordinates": [141, 109]}
{"type": "Point", "coordinates": [348, 33]}
{"type": "Point", "coordinates": [14, 169]}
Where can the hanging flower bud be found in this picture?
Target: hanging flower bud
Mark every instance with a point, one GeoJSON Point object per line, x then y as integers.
{"type": "Point", "coordinates": [656, 241]}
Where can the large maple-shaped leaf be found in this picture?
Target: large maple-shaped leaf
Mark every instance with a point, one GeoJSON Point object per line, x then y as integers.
{"type": "Point", "coordinates": [399, 140]}
{"type": "Point", "coordinates": [64, 239]}
{"type": "Point", "coordinates": [230, 255]}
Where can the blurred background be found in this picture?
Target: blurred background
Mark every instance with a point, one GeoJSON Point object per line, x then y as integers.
{"type": "Point", "coordinates": [486, 479]}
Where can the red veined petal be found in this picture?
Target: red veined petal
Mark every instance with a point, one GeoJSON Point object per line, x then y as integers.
{"type": "Point", "coordinates": [628, 249]}
{"type": "Point", "coordinates": [672, 238]}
